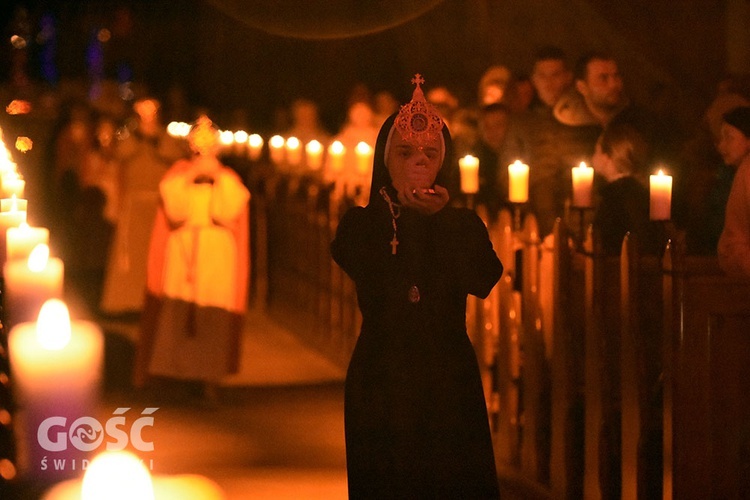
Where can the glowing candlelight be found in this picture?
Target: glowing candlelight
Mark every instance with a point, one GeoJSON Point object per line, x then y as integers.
{"type": "Point", "coordinates": [336, 153]}
{"type": "Point", "coordinates": [293, 151]}
{"type": "Point", "coordinates": [255, 145]}
{"type": "Point", "coordinates": [518, 189]}
{"type": "Point", "coordinates": [583, 182]}
{"type": "Point", "coordinates": [276, 149]}
{"type": "Point", "coordinates": [31, 282]}
{"type": "Point", "coordinates": [469, 169]}
{"type": "Point", "coordinates": [660, 188]}
{"type": "Point", "coordinates": [364, 153]}
{"type": "Point", "coordinates": [314, 152]}
{"type": "Point", "coordinates": [21, 240]}
{"type": "Point", "coordinates": [57, 366]}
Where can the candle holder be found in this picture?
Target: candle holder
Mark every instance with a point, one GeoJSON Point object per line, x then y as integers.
{"type": "Point", "coordinates": [579, 226]}
{"type": "Point", "coordinates": [518, 211]}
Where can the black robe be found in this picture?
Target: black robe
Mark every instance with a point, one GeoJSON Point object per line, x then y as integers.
{"type": "Point", "coordinates": [415, 416]}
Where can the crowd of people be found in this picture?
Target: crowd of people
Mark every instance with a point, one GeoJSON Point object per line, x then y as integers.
{"type": "Point", "coordinates": [105, 156]}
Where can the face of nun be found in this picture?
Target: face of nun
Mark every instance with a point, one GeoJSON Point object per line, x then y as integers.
{"type": "Point", "coordinates": [412, 167]}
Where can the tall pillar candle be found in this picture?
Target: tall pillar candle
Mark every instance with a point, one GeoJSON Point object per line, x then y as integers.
{"type": "Point", "coordinates": [583, 184]}
{"type": "Point", "coordinates": [469, 171]}
{"type": "Point", "coordinates": [314, 155]}
{"type": "Point", "coordinates": [518, 185]}
{"type": "Point", "coordinates": [293, 152]}
{"type": "Point", "coordinates": [255, 146]}
{"type": "Point", "coordinates": [56, 365]}
{"type": "Point", "coordinates": [660, 195]}
{"type": "Point", "coordinates": [31, 282]}
{"type": "Point", "coordinates": [12, 214]}
{"type": "Point", "coordinates": [363, 152]}
{"type": "Point", "coordinates": [336, 153]}
{"type": "Point", "coordinates": [21, 240]}
{"type": "Point", "coordinates": [276, 149]}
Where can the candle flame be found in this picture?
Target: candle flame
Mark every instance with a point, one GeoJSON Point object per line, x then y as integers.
{"type": "Point", "coordinates": [314, 147]}
{"type": "Point", "coordinates": [362, 148]}
{"type": "Point", "coordinates": [255, 140]}
{"type": "Point", "coordinates": [583, 165]}
{"type": "Point", "coordinates": [240, 137]}
{"type": "Point", "coordinates": [336, 148]}
{"type": "Point", "coordinates": [292, 143]}
{"type": "Point", "coordinates": [38, 258]}
{"type": "Point", "coordinates": [226, 137]}
{"type": "Point", "coordinates": [276, 141]}
{"type": "Point", "coordinates": [117, 475]}
{"type": "Point", "coordinates": [53, 330]}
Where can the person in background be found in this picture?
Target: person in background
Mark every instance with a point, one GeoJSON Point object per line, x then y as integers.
{"type": "Point", "coordinates": [493, 180]}
{"type": "Point", "coordinates": [415, 417]}
{"type": "Point", "coordinates": [734, 243]}
{"type": "Point", "coordinates": [198, 269]}
{"type": "Point", "coordinates": [620, 158]}
{"type": "Point", "coordinates": [145, 153]}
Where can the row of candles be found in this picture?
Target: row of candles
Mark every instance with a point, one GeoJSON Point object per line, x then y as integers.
{"type": "Point", "coordinates": [57, 365]}
{"type": "Point", "coordinates": [660, 186]}
{"type": "Point", "coordinates": [292, 152]}
{"type": "Point", "coordinates": [289, 151]}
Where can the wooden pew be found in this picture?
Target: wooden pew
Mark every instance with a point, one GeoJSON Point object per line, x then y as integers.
{"type": "Point", "coordinates": [706, 379]}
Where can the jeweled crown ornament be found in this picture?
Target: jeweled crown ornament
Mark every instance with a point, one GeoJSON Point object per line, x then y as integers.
{"type": "Point", "coordinates": [203, 136]}
{"type": "Point", "coordinates": [418, 121]}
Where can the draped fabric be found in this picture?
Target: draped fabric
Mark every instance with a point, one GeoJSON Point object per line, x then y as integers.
{"type": "Point", "coordinates": [415, 416]}
{"type": "Point", "coordinates": [197, 277]}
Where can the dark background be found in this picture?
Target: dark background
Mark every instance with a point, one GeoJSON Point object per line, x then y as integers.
{"type": "Point", "coordinates": [259, 55]}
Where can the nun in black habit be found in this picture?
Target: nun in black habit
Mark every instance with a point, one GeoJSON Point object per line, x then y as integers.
{"type": "Point", "coordinates": [415, 417]}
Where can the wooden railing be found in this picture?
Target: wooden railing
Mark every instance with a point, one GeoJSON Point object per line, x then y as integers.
{"type": "Point", "coordinates": [605, 376]}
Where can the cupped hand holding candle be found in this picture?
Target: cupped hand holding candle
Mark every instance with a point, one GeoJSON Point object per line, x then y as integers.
{"type": "Point", "coordinates": [518, 186]}
{"type": "Point", "coordinates": [469, 170]}
{"type": "Point", "coordinates": [583, 183]}
{"type": "Point", "coordinates": [660, 195]}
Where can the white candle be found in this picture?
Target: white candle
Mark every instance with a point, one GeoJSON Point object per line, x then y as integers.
{"type": "Point", "coordinates": [120, 475]}
{"type": "Point", "coordinates": [56, 367]}
{"type": "Point", "coordinates": [12, 185]}
{"type": "Point", "coordinates": [363, 151]}
{"type": "Point", "coordinates": [226, 138]}
{"type": "Point", "coordinates": [12, 214]}
{"type": "Point", "coordinates": [240, 139]}
{"type": "Point", "coordinates": [293, 151]}
{"type": "Point", "coordinates": [583, 182]}
{"type": "Point", "coordinates": [660, 188]}
{"type": "Point", "coordinates": [336, 153]}
{"type": "Point", "coordinates": [276, 149]}
{"type": "Point", "coordinates": [469, 170]}
{"type": "Point", "coordinates": [255, 146]}
{"type": "Point", "coordinates": [31, 282]}
{"type": "Point", "coordinates": [314, 152]}
{"type": "Point", "coordinates": [21, 240]}
{"type": "Point", "coordinates": [518, 187]}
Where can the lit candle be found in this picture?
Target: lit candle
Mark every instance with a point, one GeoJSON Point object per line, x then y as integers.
{"type": "Point", "coordinates": [336, 153]}
{"type": "Point", "coordinates": [31, 282]}
{"type": "Point", "coordinates": [660, 187]}
{"type": "Point", "coordinates": [518, 188]}
{"type": "Point", "coordinates": [255, 145]}
{"type": "Point", "coordinates": [363, 151]}
{"type": "Point", "coordinates": [276, 149]}
{"type": "Point", "coordinates": [314, 152]}
{"type": "Point", "coordinates": [240, 139]}
{"type": "Point", "coordinates": [120, 475]}
{"type": "Point", "coordinates": [293, 151]}
{"type": "Point", "coordinates": [56, 368]}
{"type": "Point", "coordinates": [12, 214]}
{"type": "Point", "coordinates": [12, 185]}
{"type": "Point", "coordinates": [469, 169]}
{"type": "Point", "coordinates": [21, 240]}
{"type": "Point", "coordinates": [583, 182]}
{"type": "Point", "coordinates": [226, 138]}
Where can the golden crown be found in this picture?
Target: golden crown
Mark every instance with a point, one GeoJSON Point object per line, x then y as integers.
{"type": "Point", "coordinates": [418, 121]}
{"type": "Point", "coordinates": [203, 136]}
